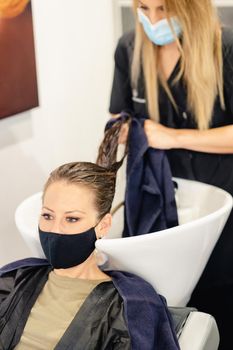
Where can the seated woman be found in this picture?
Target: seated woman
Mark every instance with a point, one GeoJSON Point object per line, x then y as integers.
{"type": "Point", "coordinates": [67, 301]}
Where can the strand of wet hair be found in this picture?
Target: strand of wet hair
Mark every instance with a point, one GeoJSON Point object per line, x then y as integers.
{"type": "Point", "coordinates": [107, 152]}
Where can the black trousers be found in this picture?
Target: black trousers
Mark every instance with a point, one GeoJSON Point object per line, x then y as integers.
{"type": "Point", "coordinates": [218, 302]}
{"type": "Point", "coordinates": [214, 291]}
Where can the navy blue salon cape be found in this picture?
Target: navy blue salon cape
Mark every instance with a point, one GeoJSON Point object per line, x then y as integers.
{"type": "Point", "coordinates": [154, 331]}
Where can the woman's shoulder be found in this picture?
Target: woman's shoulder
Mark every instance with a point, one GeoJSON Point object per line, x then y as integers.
{"type": "Point", "coordinates": [132, 285]}
{"type": "Point", "coordinates": [127, 39]}
{"type": "Point", "coordinates": [126, 43]}
{"type": "Point", "coordinates": [124, 50]}
{"type": "Point", "coordinates": [23, 263]}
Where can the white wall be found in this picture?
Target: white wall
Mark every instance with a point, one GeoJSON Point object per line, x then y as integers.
{"type": "Point", "coordinates": [74, 51]}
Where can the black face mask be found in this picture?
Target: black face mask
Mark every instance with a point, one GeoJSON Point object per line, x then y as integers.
{"type": "Point", "coordinates": [66, 250]}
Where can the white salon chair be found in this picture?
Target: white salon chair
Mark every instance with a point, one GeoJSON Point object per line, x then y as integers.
{"type": "Point", "coordinates": [171, 260]}
{"type": "Point", "coordinates": [195, 330]}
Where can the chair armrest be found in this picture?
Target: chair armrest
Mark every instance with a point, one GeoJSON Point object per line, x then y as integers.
{"type": "Point", "coordinates": [200, 332]}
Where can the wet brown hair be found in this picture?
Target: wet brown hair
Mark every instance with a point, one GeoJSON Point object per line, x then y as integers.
{"type": "Point", "coordinates": [107, 154]}
{"type": "Point", "coordinates": [98, 179]}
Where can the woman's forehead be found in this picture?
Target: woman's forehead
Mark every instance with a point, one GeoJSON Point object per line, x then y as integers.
{"type": "Point", "coordinates": [65, 194]}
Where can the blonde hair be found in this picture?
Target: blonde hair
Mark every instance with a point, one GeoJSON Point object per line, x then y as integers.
{"type": "Point", "coordinates": [201, 59]}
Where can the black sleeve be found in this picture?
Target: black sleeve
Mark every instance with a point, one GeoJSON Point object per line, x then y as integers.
{"type": "Point", "coordinates": [228, 68]}
{"type": "Point", "coordinates": [117, 337]}
{"type": "Point", "coordinates": [121, 96]}
{"type": "Point", "coordinates": [6, 285]}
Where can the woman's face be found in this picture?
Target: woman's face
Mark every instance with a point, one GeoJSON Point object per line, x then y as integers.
{"type": "Point", "coordinates": [68, 209]}
{"type": "Point", "coordinates": [153, 9]}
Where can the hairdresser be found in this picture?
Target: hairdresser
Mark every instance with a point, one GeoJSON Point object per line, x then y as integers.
{"type": "Point", "coordinates": [176, 67]}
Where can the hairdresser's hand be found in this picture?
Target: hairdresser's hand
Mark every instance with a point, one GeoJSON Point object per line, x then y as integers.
{"type": "Point", "coordinates": [160, 136]}
{"type": "Point", "coordinates": [123, 134]}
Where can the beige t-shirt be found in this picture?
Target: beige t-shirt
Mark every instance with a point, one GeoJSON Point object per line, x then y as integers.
{"type": "Point", "coordinates": [54, 310]}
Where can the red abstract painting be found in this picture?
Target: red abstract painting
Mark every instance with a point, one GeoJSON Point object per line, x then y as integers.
{"type": "Point", "coordinates": [18, 82]}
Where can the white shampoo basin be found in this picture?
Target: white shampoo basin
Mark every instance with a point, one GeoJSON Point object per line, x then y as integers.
{"type": "Point", "coordinates": [172, 260]}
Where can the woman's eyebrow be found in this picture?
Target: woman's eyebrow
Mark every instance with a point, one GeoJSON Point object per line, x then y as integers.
{"type": "Point", "coordinates": [67, 212]}
{"type": "Point", "coordinates": [73, 211]}
{"type": "Point", "coordinates": [47, 209]}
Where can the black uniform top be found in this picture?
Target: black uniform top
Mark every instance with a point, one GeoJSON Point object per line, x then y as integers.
{"type": "Point", "coordinates": [199, 166]}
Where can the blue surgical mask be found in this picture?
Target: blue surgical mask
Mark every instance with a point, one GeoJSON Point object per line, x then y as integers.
{"type": "Point", "coordinates": [160, 33]}
{"type": "Point", "coordinates": [64, 251]}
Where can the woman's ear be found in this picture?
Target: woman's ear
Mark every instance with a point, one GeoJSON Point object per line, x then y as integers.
{"type": "Point", "coordinates": [103, 226]}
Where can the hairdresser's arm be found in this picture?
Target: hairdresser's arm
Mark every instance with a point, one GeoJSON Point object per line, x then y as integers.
{"type": "Point", "coordinates": [216, 140]}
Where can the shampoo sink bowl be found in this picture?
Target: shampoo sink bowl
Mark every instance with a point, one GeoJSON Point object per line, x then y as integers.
{"type": "Point", "coordinates": [171, 260]}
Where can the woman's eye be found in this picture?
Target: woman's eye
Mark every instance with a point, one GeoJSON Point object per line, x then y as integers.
{"type": "Point", "coordinates": [142, 7]}
{"type": "Point", "coordinates": [161, 9]}
{"type": "Point", "coordinates": [46, 216]}
{"type": "Point", "coordinates": [72, 219]}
